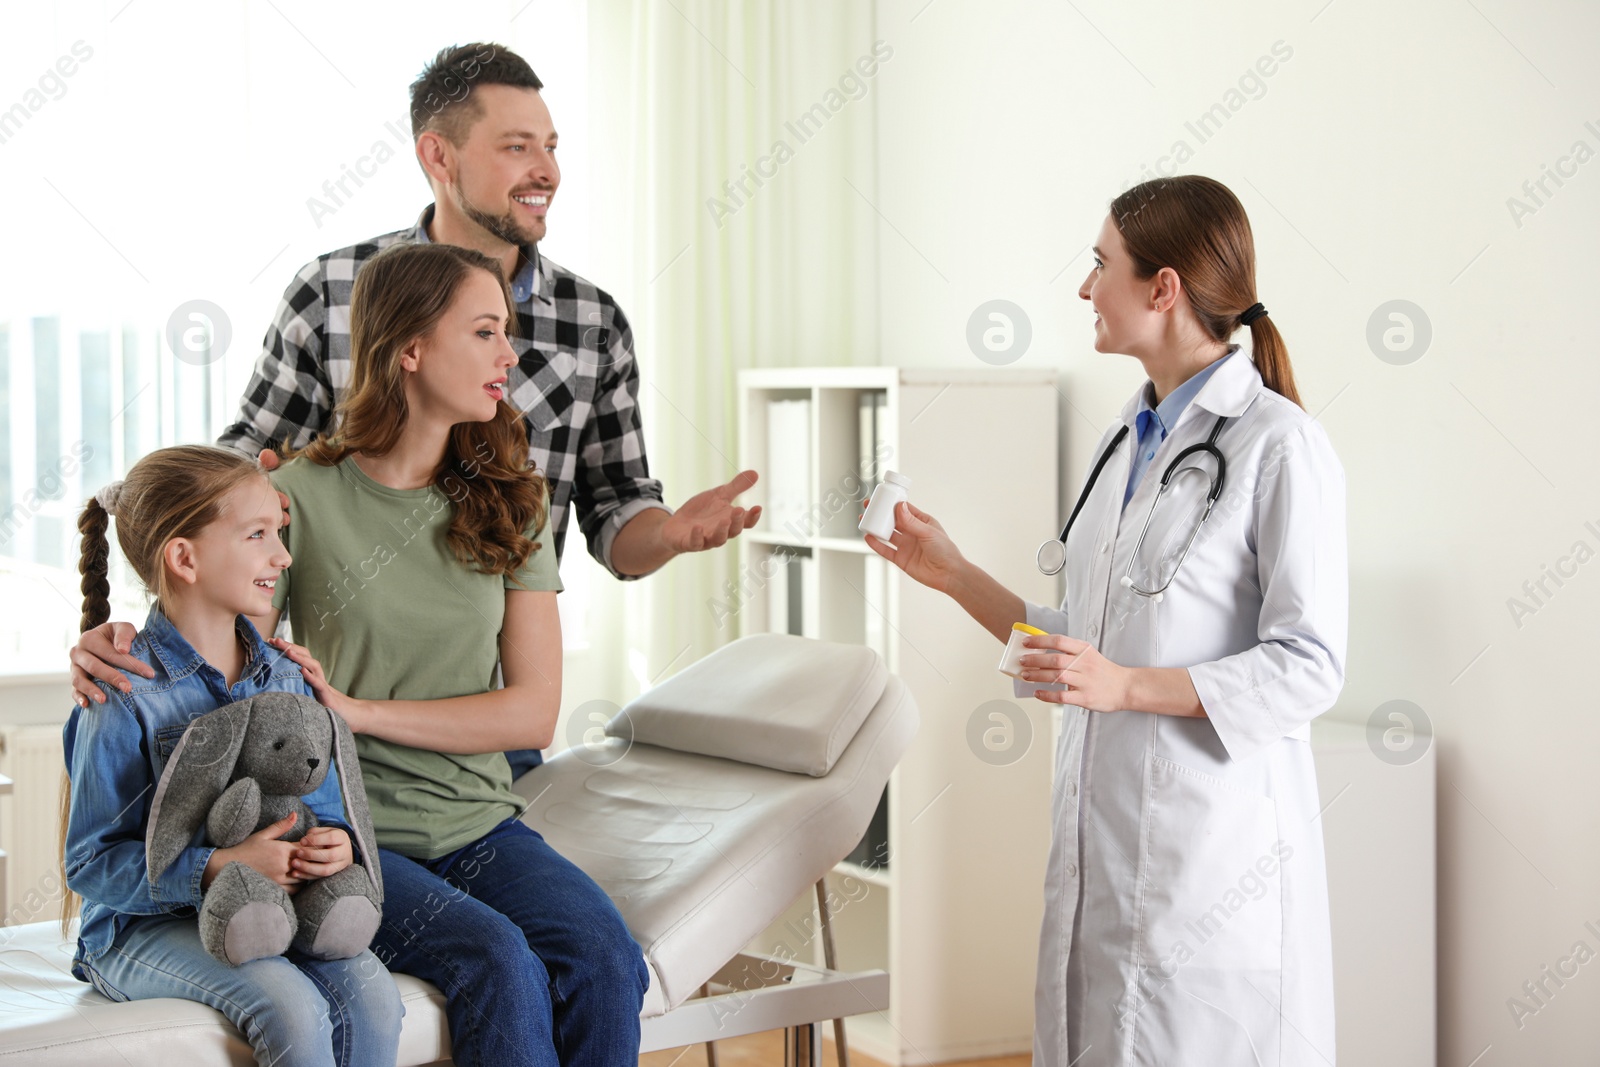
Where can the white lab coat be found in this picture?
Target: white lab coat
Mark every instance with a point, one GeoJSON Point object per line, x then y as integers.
{"type": "Point", "coordinates": [1186, 905]}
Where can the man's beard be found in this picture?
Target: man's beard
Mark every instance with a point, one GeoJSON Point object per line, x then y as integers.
{"type": "Point", "coordinates": [504, 226]}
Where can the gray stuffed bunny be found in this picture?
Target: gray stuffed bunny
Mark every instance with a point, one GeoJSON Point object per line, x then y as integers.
{"type": "Point", "coordinates": [242, 768]}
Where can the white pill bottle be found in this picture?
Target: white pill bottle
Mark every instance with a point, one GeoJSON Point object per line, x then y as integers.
{"type": "Point", "coordinates": [879, 519]}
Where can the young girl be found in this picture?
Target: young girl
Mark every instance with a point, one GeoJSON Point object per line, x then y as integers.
{"type": "Point", "coordinates": [199, 525]}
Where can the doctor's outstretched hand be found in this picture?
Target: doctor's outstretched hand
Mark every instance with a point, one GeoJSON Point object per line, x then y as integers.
{"type": "Point", "coordinates": [920, 547]}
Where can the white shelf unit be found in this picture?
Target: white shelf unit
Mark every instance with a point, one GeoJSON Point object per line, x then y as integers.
{"type": "Point", "coordinates": [954, 917]}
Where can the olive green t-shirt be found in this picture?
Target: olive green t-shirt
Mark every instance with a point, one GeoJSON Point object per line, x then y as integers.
{"type": "Point", "coordinates": [378, 597]}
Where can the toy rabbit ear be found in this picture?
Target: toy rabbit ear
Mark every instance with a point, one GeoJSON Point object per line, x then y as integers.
{"type": "Point", "coordinates": [195, 776]}
{"type": "Point", "coordinates": [354, 792]}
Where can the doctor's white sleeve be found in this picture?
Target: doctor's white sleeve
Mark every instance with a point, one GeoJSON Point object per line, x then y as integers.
{"type": "Point", "coordinates": [1256, 697]}
{"type": "Point", "coordinates": [1050, 621]}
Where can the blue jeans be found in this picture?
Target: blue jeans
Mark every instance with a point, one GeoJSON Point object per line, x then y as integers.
{"type": "Point", "coordinates": [294, 1010]}
{"type": "Point", "coordinates": [535, 963]}
{"type": "Point", "coordinates": [523, 760]}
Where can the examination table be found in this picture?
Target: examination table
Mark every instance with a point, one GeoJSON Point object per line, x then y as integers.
{"type": "Point", "coordinates": [712, 803]}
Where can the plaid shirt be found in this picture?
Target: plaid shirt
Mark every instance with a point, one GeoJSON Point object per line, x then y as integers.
{"type": "Point", "coordinates": [575, 383]}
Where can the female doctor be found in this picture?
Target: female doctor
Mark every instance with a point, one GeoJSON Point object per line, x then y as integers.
{"type": "Point", "coordinates": [1186, 911]}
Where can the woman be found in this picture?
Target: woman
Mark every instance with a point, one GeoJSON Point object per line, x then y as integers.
{"type": "Point", "coordinates": [422, 558]}
{"type": "Point", "coordinates": [1186, 915]}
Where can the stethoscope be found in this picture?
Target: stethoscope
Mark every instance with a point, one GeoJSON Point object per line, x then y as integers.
{"type": "Point", "coordinates": [1052, 555]}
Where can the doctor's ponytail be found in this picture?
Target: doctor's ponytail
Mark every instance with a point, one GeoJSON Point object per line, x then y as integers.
{"type": "Point", "coordinates": [1196, 226]}
{"type": "Point", "coordinates": [1272, 358]}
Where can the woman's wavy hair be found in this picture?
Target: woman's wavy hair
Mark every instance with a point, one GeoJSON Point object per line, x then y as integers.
{"type": "Point", "coordinates": [1196, 226]}
{"type": "Point", "coordinates": [172, 492]}
{"type": "Point", "coordinates": [400, 295]}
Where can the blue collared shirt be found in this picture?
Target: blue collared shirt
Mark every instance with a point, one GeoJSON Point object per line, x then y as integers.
{"type": "Point", "coordinates": [115, 753]}
{"type": "Point", "coordinates": [522, 285]}
{"type": "Point", "coordinates": [1151, 425]}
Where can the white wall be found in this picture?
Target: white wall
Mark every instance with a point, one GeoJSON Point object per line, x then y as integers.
{"type": "Point", "coordinates": [1375, 165]}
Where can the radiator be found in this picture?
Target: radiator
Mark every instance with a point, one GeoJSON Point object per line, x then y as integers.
{"type": "Point", "coordinates": [30, 826]}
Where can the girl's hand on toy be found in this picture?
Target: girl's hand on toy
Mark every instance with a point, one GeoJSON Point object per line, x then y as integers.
{"type": "Point", "coordinates": [263, 851]}
{"type": "Point", "coordinates": [323, 851]}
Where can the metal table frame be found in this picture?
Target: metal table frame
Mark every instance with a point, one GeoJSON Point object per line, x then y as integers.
{"type": "Point", "coordinates": [753, 993]}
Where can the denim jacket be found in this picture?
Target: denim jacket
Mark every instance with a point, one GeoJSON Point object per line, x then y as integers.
{"type": "Point", "coordinates": [115, 753]}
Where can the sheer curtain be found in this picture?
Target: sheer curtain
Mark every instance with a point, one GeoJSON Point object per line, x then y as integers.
{"type": "Point", "coordinates": [733, 158]}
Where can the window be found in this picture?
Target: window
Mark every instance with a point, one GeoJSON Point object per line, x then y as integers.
{"type": "Point", "coordinates": [82, 401]}
{"type": "Point", "coordinates": [140, 185]}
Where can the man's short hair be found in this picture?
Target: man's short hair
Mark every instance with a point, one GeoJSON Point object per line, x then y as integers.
{"type": "Point", "coordinates": [442, 99]}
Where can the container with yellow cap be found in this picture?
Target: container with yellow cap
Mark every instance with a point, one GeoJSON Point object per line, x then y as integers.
{"type": "Point", "coordinates": [1010, 660]}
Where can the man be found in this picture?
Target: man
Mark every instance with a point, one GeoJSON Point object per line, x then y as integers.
{"type": "Point", "coordinates": [487, 144]}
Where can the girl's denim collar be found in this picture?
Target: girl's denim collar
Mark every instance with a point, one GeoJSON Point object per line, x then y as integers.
{"type": "Point", "coordinates": [179, 659]}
